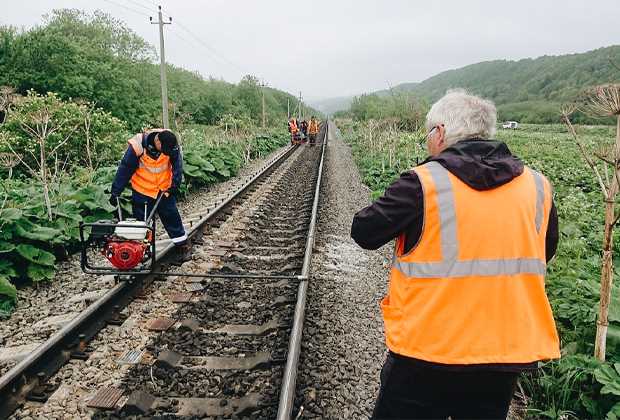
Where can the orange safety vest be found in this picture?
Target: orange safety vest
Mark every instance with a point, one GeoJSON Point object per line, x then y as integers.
{"type": "Point", "coordinates": [293, 126]}
{"type": "Point", "coordinates": [472, 291]}
{"type": "Point", "coordinates": [314, 127]}
{"type": "Point", "coordinates": [152, 175]}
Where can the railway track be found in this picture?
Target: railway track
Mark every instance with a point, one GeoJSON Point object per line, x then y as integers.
{"type": "Point", "coordinates": [220, 340]}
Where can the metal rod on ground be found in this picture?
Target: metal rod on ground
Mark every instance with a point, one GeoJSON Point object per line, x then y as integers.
{"type": "Point", "coordinates": [226, 276]}
{"type": "Point", "coordinates": [287, 392]}
{"type": "Point", "coordinates": [162, 67]}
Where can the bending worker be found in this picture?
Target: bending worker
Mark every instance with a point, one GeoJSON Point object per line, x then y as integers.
{"type": "Point", "coordinates": [466, 310]}
{"type": "Point", "coordinates": [153, 163]}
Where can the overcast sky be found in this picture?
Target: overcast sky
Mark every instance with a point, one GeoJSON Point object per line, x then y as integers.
{"type": "Point", "coordinates": [344, 47]}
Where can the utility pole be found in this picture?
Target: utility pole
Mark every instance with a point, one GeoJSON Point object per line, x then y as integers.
{"type": "Point", "coordinates": [162, 66]}
{"type": "Point", "coordinates": [299, 109]}
{"type": "Point", "coordinates": [262, 85]}
{"type": "Point", "coordinates": [288, 109]}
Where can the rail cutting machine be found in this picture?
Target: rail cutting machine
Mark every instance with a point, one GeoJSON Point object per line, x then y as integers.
{"type": "Point", "coordinates": [119, 246]}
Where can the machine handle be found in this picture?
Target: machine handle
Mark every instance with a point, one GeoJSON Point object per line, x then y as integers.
{"type": "Point", "coordinates": [160, 195]}
{"type": "Point", "coordinates": [118, 208]}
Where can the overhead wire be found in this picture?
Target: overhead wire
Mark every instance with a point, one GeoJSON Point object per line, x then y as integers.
{"type": "Point", "coordinates": [151, 3]}
{"type": "Point", "coordinates": [151, 9]}
{"type": "Point", "coordinates": [212, 50]}
{"type": "Point", "coordinates": [126, 7]}
{"type": "Point", "coordinates": [196, 43]}
{"type": "Point", "coordinates": [194, 39]}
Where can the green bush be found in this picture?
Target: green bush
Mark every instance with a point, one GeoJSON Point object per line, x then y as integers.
{"type": "Point", "coordinates": [70, 134]}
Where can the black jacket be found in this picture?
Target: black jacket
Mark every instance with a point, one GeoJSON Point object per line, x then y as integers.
{"type": "Point", "coordinates": [481, 164]}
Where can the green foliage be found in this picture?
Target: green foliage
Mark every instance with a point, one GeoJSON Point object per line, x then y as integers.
{"type": "Point", "coordinates": [571, 387]}
{"type": "Point", "coordinates": [71, 130]}
{"type": "Point", "coordinates": [403, 109]}
{"type": "Point", "coordinates": [29, 241]}
{"type": "Point", "coordinates": [207, 162]}
{"type": "Point", "coordinates": [382, 152]}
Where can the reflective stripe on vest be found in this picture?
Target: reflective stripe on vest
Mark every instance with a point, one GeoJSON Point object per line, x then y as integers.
{"type": "Point", "coordinates": [450, 266]}
{"type": "Point", "coordinates": [154, 169]}
{"type": "Point", "coordinates": [540, 198]}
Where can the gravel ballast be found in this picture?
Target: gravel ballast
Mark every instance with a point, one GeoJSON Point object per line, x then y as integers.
{"type": "Point", "coordinates": [343, 347]}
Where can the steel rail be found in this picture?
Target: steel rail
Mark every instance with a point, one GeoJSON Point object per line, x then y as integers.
{"type": "Point", "coordinates": [227, 276]}
{"type": "Point", "coordinates": [56, 351]}
{"type": "Point", "coordinates": [287, 391]}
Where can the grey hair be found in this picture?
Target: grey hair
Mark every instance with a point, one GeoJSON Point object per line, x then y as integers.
{"type": "Point", "coordinates": [463, 115]}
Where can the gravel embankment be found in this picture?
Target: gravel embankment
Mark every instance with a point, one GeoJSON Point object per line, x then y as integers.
{"type": "Point", "coordinates": [343, 348]}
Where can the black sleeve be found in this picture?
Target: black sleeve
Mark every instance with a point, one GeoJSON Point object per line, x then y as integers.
{"type": "Point", "coordinates": [553, 235]}
{"type": "Point", "coordinates": [177, 168]}
{"type": "Point", "coordinates": [401, 207]}
{"type": "Point", "coordinates": [125, 171]}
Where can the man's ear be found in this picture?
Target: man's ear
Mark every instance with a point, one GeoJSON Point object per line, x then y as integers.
{"type": "Point", "coordinates": [442, 134]}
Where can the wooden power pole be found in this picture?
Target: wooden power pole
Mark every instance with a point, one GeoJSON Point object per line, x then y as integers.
{"type": "Point", "coordinates": [162, 67]}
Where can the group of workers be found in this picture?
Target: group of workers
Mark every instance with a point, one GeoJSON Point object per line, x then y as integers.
{"type": "Point", "coordinates": [466, 310]}
{"type": "Point", "coordinates": [303, 131]}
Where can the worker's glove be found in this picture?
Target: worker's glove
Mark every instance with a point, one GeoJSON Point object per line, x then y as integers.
{"type": "Point", "coordinates": [114, 200]}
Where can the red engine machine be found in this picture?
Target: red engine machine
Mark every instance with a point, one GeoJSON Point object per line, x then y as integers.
{"type": "Point", "coordinates": [128, 245]}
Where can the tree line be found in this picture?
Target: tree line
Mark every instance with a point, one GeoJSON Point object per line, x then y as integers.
{"type": "Point", "coordinates": [99, 59]}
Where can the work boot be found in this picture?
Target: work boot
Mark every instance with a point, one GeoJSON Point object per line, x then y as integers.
{"type": "Point", "coordinates": [183, 253]}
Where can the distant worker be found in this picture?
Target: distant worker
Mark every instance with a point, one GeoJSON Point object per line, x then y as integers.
{"type": "Point", "coordinates": [313, 130]}
{"type": "Point", "coordinates": [466, 310]}
{"type": "Point", "coordinates": [153, 163]}
{"type": "Point", "coordinates": [294, 130]}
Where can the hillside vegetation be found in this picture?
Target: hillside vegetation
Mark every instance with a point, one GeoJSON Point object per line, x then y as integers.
{"type": "Point", "coordinates": [527, 90]}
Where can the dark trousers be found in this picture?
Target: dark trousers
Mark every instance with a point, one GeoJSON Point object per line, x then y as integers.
{"type": "Point", "coordinates": [412, 390]}
{"type": "Point", "coordinates": [167, 212]}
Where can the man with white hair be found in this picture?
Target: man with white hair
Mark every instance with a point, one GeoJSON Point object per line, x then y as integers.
{"type": "Point", "coordinates": [466, 310]}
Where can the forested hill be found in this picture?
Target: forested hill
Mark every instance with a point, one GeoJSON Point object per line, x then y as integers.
{"type": "Point", "coordinates": [529, 89]}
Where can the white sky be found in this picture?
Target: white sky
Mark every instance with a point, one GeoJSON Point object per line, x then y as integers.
{"type": "Point", "coordinates": [344, 47]}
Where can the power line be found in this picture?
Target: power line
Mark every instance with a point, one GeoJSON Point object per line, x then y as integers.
{"type": "Point", "coordinates": [126, 7]}
{"type": "Point", "coordinates": [151, 9]}
{"type": "Point", "coordinates": [151, 3]}
{"type": "Point", "coordinates": [211, 49]}
{"type": "Point", "coordinates": [195, 39]}
{"type": "Point", "coordinates": [194, 42]}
